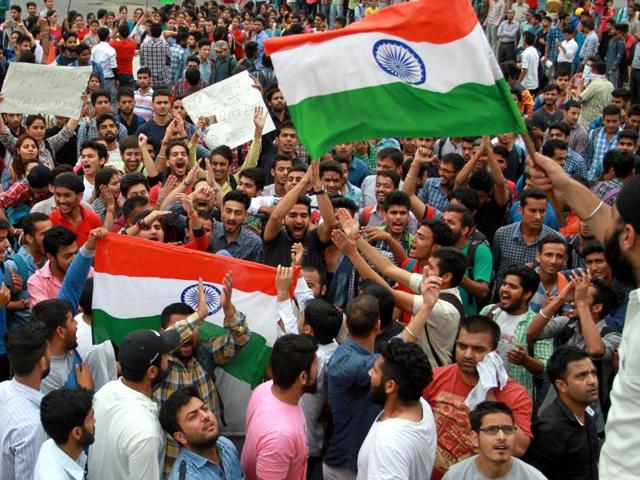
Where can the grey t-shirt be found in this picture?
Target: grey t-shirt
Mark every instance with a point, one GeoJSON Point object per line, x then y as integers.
{"type": "Point", "coordinates": [468, 470]}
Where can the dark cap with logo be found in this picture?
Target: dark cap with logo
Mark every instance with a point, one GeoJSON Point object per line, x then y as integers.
{"type": "Point", "coordinates": [140, 349]}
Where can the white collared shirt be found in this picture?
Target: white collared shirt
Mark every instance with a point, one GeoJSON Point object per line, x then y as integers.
{"type": "Point", "coordinates": [54, 463]}
{"type": "Point", "coordinates": [105, 55]}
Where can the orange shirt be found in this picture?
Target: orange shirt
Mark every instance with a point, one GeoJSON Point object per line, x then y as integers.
{"type": "Point", "coordinates": [90, 220]}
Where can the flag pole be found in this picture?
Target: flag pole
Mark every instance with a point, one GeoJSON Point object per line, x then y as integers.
{"type": "Point", "coordinates": [531, 151]}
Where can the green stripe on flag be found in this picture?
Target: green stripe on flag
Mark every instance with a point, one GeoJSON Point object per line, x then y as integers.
{"type": "Point", "coordinates": [248, 365]}
{"type": "Point", "coordinates": [399, 110]}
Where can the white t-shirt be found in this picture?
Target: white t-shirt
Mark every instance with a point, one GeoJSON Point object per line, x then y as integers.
{"type": "Point", "coordinates": [399, 448]}
{"type": "Point", "coordinates": [88, 190]}
{"type": "Point", "coordinates": [468, 470]}
{"type": "Point", "coordinates": [114, 156]}
{"type": "Point", "coordinates": [571, 48]}
{"type": "Point", "coordinates": [530, 62]}
{"type": "Point", "coordinates": [508, 324]}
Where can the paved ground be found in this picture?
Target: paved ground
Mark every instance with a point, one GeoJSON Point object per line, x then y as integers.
{"type": "Point", "coordinates": [85, 6]}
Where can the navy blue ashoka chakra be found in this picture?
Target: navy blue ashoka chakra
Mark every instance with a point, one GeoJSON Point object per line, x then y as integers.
{"type": "Point", "coordinates": [400, 60]}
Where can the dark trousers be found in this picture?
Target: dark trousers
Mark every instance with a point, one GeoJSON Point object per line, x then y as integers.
{"type": "Point", "coordinates": [634, 85]}
{"type": "Point", "coordinates": [126, 80]}
{"type": "Point", "coordinates": [506, 51]}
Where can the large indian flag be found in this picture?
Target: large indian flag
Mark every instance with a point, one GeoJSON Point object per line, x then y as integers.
{"type": "Point", "coordinates": [135, 279]}
{"type": "Point", "coordinates": [414, 69]}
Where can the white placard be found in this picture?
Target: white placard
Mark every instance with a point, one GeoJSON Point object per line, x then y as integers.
{"type": "Point", "coordinates": [232, 102]}
{"type": "Point", "coordinates": [44, 89]}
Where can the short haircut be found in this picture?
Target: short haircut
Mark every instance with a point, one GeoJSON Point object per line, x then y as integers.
{"type": "Point", "coordinates": [393, 153]}
{"type": "Point", "coordinates": [392, 175]}
{"type": "Point", "coordinates": [628, 133]}
{"type": "Point", "coordinates": [168, 414]}
{"type": "Point", "coordinates": [487, 408]}
{"type": "Point", "coordinates": [533, 193]}
{"type": "Point", "coordinates": [599, 67]}
{"type": "Point", "coordinates": [204, 42]}
{"type": "Point", "coordinates": [155, 30]}
{"type": "Point", "coordinates": [552, 238]}
{"type": "Point", "coordinates": [100, 119]}
{"type": "Point", "coordinates": [622, 92]}
{"type": "Point", "coordinates": [30, 221]}
{"type": "Point", "coordinates": [385, 300]}
{"type": "Point", "coordinates": [331, 166]}
{"type": "Point", "coordinates": [407, 365]}
{"type": "Point", "coordinates": [160, 93]}
{"type": "Point", "coordinates": [397, 197]}
{"type": "Point", "coordinates": [143, 71]}
{"type": "Point", "coordinates": [322, 274]}
{"type": "Point", "coordinates": [129, 180]}
{"type": "Point", "coordinates": [324, 318]}
{"type": "Point", "coordinates": [634, 110]}
{"type": "Point", "coordinates": [104, 176]}
{"type": "Point", "coordinates": [53, 313]}
{"type": "Point", "coordinates": [123, 30]}
{"type": "Point", "coordinates": [528, 38]}
{"type": "Point", "coordinates": [590, 248]}
{"type": "Point", "coordinates": [129, 142]}
{"type": "Point", "coordinates": [86, 298]}
{"type": "Point", "coordinates": [256, 175]}
{"type": "Point", "coordinates": [339, 201]}
{"type": "Point", "coordinates": [559, 361]}
{"type": "Point", "coordinates": [96, 94]}
{"type": "Point", "coordinates": [551, 87]}
{"type": "Point", "coordinates": [482, 324]}
{"type": "Point", "coordinates": [125, 91]}
{"type": "Point", "coordinates": [304, 200]}
{"type": "Point", "coordinates": [283, 157]}
{"type": "Point", "coordinates": [453, 261]}
{"type": "Point", "coordinates": [363, 313]}
{"type": "Point", "coordinates": [81, 47]}
{"type": "Point", "coordinates": [440, 231]}
{"type": "Point", "coordinates": [57, 236]}
{"type": "Point", "coordinates": [529, 278]}
{"type": "Point", "coordinates": [63, 410]}
{"type": "Point", "coordinates": [95, 145]}
{"type": "Point", "coordinates": [103, 34]}
{"type": "Point", "coordinates": [290, 356]}
{"type": "Point", "coordinates": [611, 110]}
{"type": "Point", "coordinates": [131, 204]}
{"type": "Point", "coordinates": [236, 196]}
{"type": "Point", "coordinates": [177, 308]}
{"type": "Point", "coordinates": [562, 127]}
{"type": "Point", "coordinates": [465, 214]}
{"type": "Point", "coordinates": [605, 295]}
{"type": "Point", "coordinates": [467, 196]}
{"type": "Point", "coordinates": [224, 152]}
{"type": "Point", "coordinates": [454, 159]}
{"type": "Point", "coordinates": [481, 181]}
{"type": "Point", "coordinates": [572, 104]}
{"type": "Point", "coordinates": [25, 346]}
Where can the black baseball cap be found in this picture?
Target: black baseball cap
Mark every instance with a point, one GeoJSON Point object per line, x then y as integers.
{"type": "Point", "coordinates": [140, 349]}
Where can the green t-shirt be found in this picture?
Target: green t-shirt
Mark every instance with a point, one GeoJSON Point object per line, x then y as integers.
{"type": "Point", "coordinates": [482, 269]}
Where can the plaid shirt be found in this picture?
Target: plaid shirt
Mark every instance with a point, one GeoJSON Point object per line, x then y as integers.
{"type": "Point", "coordinates": [542, 349]}
{"type": "Point", "coordinates": [602, 189]}
{"type": "Point", "coordinates": [183, 89]}
{"type": "Point", "coordinates": [598, 146]}
{"type": "Point", "coordinates": [433, 194]}
{"type": "Point", "coordinates": [553, 35]}
{"type": "Point", "coordinates": [192, 372]}
{"type": "Point", "coordinates": [509, 247]}
{"type": "Point", "coordinates": [590, 46]}
{"type": "Point", "coordinates": [370, 158]}
{"type": "Point", "coordinates": [154, 54]}
{"type": "Point", "coordinates": [17, 193]}
{"type": "Point", "coordinates": [176, 54]}
{"type": "Point", "coordinates": [575, 166]}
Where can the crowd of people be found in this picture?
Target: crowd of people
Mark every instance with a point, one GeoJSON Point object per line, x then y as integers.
{"type": "Point", "coordinates": [464, 311]}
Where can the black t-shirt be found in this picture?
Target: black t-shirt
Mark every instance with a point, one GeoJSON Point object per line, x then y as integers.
{"type": "Point", "coordinates": [490, 218]}
{"type": "Point", "coordinates": [278, 251]}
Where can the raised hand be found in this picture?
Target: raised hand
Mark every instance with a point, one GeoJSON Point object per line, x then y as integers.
{"type": "Point", "coordinates": [345, 243]}
{"type": "Point", "coordinates": [349, 224]}
{"type": "Point", "coordinates": [297, 253]}
{"type": "Point", "coordinates": [16, 281]}
{"type": "Point", "coordinates": [225, 299]}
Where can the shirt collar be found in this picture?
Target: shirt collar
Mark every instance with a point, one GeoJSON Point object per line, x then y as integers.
{"type": "Point", "coordinates": [30, 394]}
{"type": "Point", "coordinates": [198, 460]}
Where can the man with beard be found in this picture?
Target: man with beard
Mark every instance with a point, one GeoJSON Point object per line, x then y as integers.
{"type": "Point", "coordinates": [549, 113]}
{"type": "Point", "coordinates": [282, 165]}
{"type": "Point", "coordinates": [68, 55]}
{"type": "Point", "coordinates": [386, 181]}
{"type": "Point", "coordinates": [230, 235]}
{"type": "Point", "coordinates": [551, 257]}
{"type": "Point", "coordinates": [402, 440]}
{"type": "Point", "coordinates": [565, 441]}
{"type": "Point", "coordinates": [451, 385]}
{"type": "Point", "coordinates": [68, 190]}
{"type": "Point", "coordinates": [203, 453]}
{"type": "Point", "coordinates": [88, 130]}
{"type": "Point", "coordinates": [126, 103]}
{"type": "Point", "coordinates": [67, 417]}
{"type": "Point", "coordinates": [495, 433]}
{"type": "Point", "coordinates": [289, 223]}
{"type": "Point", "coordinates": [358, 169]}
{"type": "Point", "coordinates": [276, 444]}
{"type": "Point", "coordinates": [277, 107]}
{"type": "Point", "coordinates": [392, 239]}
{"type": "Point", "coordinates": [21, 432]}
{"type": "Point", "coordinates": [130, 442]}
{"type": "Point", "coordinates": [177, 153]}
{"type": "Point", "coordinates": [436, 190]}
{"type": "Point", "coordinates": [156, 127]}
{"type": "Point", "coordinates": [286, 142]}
{"type": "Point", "coordinates": [108, 131]}
{"type": "Point", "coordinates": [348, 389]}
{"type": "Point", "coordinates": [616, 228]}
{"type": "Point", "coordinates": [513, 315]}
{"type": "Point", "coordinates": [193, 363]}
{"type": "Point", "coordinates": [388, 159]}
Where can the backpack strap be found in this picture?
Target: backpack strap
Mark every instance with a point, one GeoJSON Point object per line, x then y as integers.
{"type": "Point", "coordinates": [610, 194]}
{"type": "Point", "coordinates": [457, 304]}
{"type": "Point", "coordinates": [471, 256]}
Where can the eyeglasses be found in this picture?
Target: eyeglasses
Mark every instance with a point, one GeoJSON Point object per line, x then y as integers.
{"type": "Point", "coordinates": [493, 430]}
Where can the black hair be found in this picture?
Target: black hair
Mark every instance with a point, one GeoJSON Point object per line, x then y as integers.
{"type": "Point", "coordinates": [104, 176]}
{"type": "Point", "coordinates": [466, 217]}
{"type": "Point", "coordinates": [53, 313]}
{"type": "Point", "coordinates": [454, 159]}
{"type": "Point", "coordinates": [131, 204]}
{"type": "Point", "coordinates": [408, 366]}
{"type": "Point", "coordinates": [611, 110]}
{"type": "Point", "coordinates": [572, 104]}
{"type": "Point", "coordinates": [392, 175]}
{"type": "Point", "coordinates": [385, 300]}
{"type": "Point", "coordinates": [177, 308]}
{"type": "Point", "coordinates": [397, 197]}
{"type": "Point", "coordinates": [103, 34]}
{"type": "Point", "coordinates": [129, 180]}
{"type": "Point", "coordinates": [529, 278]}
{"type": "Point", "coordinates": [528, 38]}
{"type": "Point", "coordinates": [622, 92]}
{"type": "Point", "coordinates": [440, 231]}
{"type": "Point", "coordinates": [453, 261]}
{"type": "Point", "coordinates": [552, 238]}
{"type": "Point", "coordinates": [590, 248]}
{"type": "Point", "coordinates": [534, 193]}
{"type": "Point", "coordinates": [393, 153]}
{"type": "Point", "coordinates": [605, 295]}
{"type": "Point", "coordinates": [363, 312]}
{"type": "Point", "coordinates": [331, 166]}
{"type": "Point", "coordinates": [236, 196]}
{"type": "Point", "coordinates": [482, 324]}
{"type": "Point", "coordinates": [563, 127]}
{"type": "Point", "coordinates": [123, 30]}
{"type": "Point", "coordinates": [256, 175]}
{"type": "Point", "coordinates": [86, 298]}
{"type": "Point", "coordinates": [99, 93]}
{"type": "Point", "coordinates": [63, 410]}
{"type": "Point", "coordinates": [324, 318]}
{"type": "Point", "coordinates": [487, 408]}
{"type": "Point", "coordinates": [160, 92]}
{"type": "Point", "coordinates": [155, 30]}
{"type": "Point", "coordinates": [624, 164]}
{"type": "Point", "coordinates": [223, 151]}
{"type": "Point", "coordinates": [29, 222]}
{"type": "Point", "coordinates": [25, 346]}
{"type": "Point", "coordinates": [97, 146]}
{"type": "Point", "coordinates": [290, 356]}
{"type": "Point", "coordinates": [57, 236]}
{"type": "Point", "coordinates": [283, 157]}
{"type": "Point", "coordinates": [481, 181]}
{"type": "Point", "coordinates": [304, 200]}
{"type": "Point", "coordinates": [144, 71]}
{"type": "Point", "coordinates": [128, 142]}
{"type": "Point", "coordinates": [125, 91]}
{"type": "Point", "coordinates": [466, 196]}
{"type": "Point", "coordinates": [559, 361]}
{"type": "Point", "coordinates": [339, 201]}
{"type": "Point", "coordinates": [168, 414]}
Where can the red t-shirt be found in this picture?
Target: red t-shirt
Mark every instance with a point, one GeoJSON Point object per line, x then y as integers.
{"type": "Point", "coordinates": [125, 51]}
{"type": "Point", "coordinates": [90, 220]}
{"type": "Point", "coordinates": [446, 395]}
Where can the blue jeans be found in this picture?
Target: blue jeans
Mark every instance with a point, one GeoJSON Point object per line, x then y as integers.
{"type": "Point", "coordinates": [335, 11]}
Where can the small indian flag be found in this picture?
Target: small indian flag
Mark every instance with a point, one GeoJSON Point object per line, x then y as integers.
{"type": "Point", "coordinates": [136, 278]}
{"type": "Point", "coordinates": [416, 69]}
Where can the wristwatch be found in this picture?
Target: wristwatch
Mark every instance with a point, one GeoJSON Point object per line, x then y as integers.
{"type": "Point", "coordinates": [320, 191]}
{"type": "Point", "coordinates": [141, 224]}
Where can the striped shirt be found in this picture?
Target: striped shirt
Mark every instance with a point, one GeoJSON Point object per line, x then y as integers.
{"type": "Point", "coordinates": [21, 433]}
{"type": "Point", "coordinates": [590, 46]}
{"type": "Point", "coordinates": [143, 104]}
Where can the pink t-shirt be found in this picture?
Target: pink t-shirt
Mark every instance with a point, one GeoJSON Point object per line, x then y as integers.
{"type": "Point", "coordinates": [275, 446]}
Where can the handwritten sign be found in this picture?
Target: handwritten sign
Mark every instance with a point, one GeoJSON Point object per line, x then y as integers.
{"type": "Point", "coordinates": [232, 102]}
{"type": "Point", "coordinates": [44, 89]}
